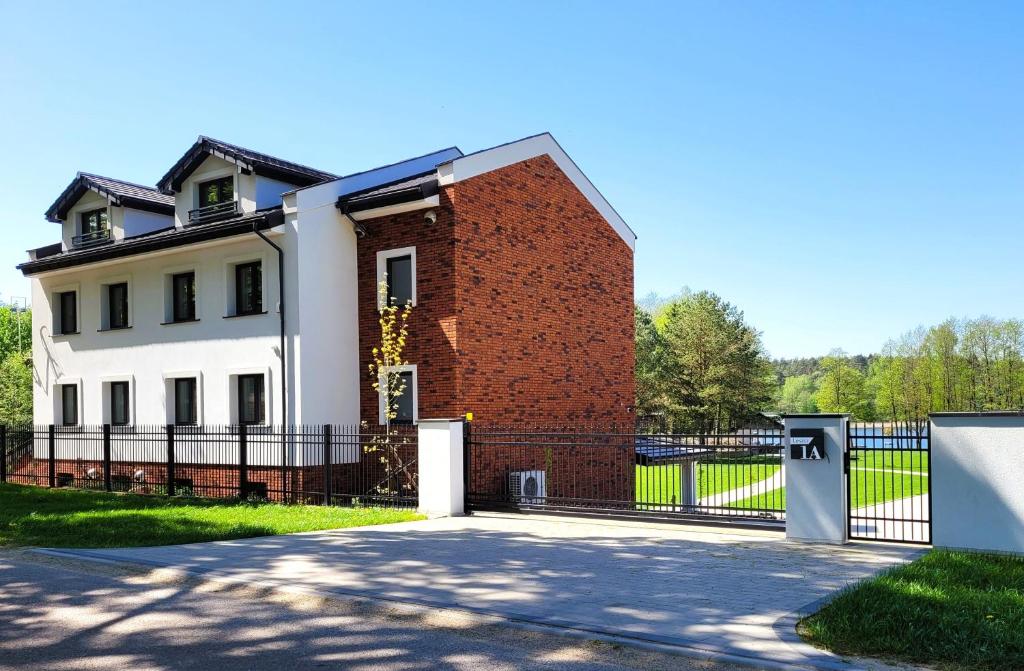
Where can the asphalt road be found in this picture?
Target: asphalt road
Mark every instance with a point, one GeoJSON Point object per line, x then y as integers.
{"type": "Point", "coordinates": [64, 614]}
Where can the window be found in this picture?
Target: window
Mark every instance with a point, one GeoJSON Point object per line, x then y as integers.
{"type": "Point", "coordinates": [69, 404]}
{"type": "Point", "coordinates": [404, 403]}
{"type": "Point", "coordinates": [216, 191]}
{"type": "Point", "coordinates": [94, 221]}
{"type": "Point", "coordinates": [68, 312]}
{"type": "Point", "coordinates": [251, 409]}
{"type": "Point", "coordinates": [183, 297]}
{"type": "Point", "coordinates": [117, 305]}
{"type": "Point", "coordinates": [398, 268]}
{"type": "Point", "coordinates": [120, 414]}
{"type": "Point", "coordinates": [249, 288]}
{"type": "Point", "coordinates": [400, 280]}
{"type": "Point", "coordinates": [185, 402]}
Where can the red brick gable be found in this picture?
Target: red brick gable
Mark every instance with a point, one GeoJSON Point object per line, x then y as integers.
{"type": "Point", "coordinates": [544, 295]}
{"type": "Point", "coordinates": [524, 302]}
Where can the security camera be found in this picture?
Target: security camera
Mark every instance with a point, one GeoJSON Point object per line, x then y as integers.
{"type": "Point", "coordinates": [430, 217]}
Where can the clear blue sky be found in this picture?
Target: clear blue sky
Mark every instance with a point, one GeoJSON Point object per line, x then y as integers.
{"type": "Point", "coordinates": [842, 172]}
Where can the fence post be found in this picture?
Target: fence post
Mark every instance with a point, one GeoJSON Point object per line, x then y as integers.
{"type": "Point", "coordinates": [243, 465]}
{"type": "Point", "coordinates": [51, 457]}
{"type": "Point", "coordinates": [170, 460]}
{"type": "Point", "coordinates": [107, 484]}
{"type": "Point", "coordinates": [3, 453]}
{"type": "Point", "coordinates": [328, 485]}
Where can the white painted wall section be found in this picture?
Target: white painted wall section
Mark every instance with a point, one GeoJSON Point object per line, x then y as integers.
{"type": "Point", "coordinates": [442, 489]}
{"type": "Point", "coordinates": [977, 489]}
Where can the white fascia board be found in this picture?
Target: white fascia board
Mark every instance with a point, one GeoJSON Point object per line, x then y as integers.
{"type": "Point", "coordinates": [422, 204]}
{"type": "Point", "coordinates": [481, 162]}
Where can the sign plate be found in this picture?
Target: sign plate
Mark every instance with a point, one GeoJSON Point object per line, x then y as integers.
{"type": "Point", "coordinates": [807, 444]}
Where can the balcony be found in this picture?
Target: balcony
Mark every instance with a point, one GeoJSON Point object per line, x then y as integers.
{"type": "Point", "coordinates": [90, 238]}
{"type": "Point", "coordinates": [204, 215]}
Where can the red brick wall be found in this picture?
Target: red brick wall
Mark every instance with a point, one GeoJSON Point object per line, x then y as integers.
{"type": "Point", "coordinates": [524, 302]}
{"type": "Point", "coordinates": [544, 289]}
{"type": "Point", "coordinates": [431, 344]}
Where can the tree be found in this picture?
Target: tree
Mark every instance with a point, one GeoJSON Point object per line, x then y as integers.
{"type": "Point", "coordinates": [714, 373]}
{"type": "Point", "coordinates": [385, 375]}
{"type": "Point", "coordinates": [842, 388]}
{"type": "Point", "coordinates": [15, 366]}
{"type": "Point", "coordinates": [15, 390]}
{"type": "Point", "coordinates": [798, 395]}
{"type": "Point", "coordinates": [650, 362]}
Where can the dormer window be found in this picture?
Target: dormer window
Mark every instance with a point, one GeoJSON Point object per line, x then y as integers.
{"type": "Point", "coordinates": [93, 227]}
{"type": "Point", "coordinates": [216, 200]}
{"type": "Point", "coordinates": [216, 191]}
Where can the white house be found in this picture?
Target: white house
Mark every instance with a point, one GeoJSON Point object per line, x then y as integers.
{"type": "Point", "coordinates": [231, 294]}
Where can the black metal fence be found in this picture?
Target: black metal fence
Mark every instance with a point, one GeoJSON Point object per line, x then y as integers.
{"type": "Point", "coordinates": [324, 464]}
{"type": "Point", "coordinates": [735, 477]}
{"type": "Point", "coordinates": [888, 466]}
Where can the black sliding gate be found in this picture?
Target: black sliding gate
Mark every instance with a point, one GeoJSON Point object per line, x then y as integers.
{"type": "Point", "coordinates": [888, 468]}
{"type": "Point", "coordinates": [734, 478]}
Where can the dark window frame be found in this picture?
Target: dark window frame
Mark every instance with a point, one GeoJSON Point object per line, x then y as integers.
{"type": "Point", "coordinates": [390, 279]}
{"type": "Point", "coordinates": [69, 414]}
{"type": "Point", "coordinates": [193, 411]}
{"type": "Point", "coordinates": [260, 400]}
{"type": "Point", "coordinates": [63, 298]}
{"type": "Point", "coordinates": [115, 420]}
{"type": "Point", "coordinates": [102, 221]}
{"type": "Point", "coordinates": [222, 197]}
{"type": "Point", "coordinates": [255, 301]}
{"type": "Point", "coordinates": [118, 318]}
{"type": "Point", "coordinates": [190, 311]}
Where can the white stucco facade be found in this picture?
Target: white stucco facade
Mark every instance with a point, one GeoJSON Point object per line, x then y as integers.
{"type": "Point", "coordinates": [977, 467]}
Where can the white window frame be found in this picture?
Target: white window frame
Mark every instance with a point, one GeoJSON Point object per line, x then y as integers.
{"type": "Point", "coordinates": [55, 310]}
{"type": "Point", "coordinates": [382, 386]}
{"type": "Point", "coordinates": [232, 395]}
{"type": "Point", "coordinates": [382, 269]}
{"type": "Point", "coordinates": [58, 401]}
{"type": "Point", "coordinates": [170, 402]}
{"type": "Point", "coordinates": [105, 398]}
{"type": "Point", "coordinates": [104, 301]}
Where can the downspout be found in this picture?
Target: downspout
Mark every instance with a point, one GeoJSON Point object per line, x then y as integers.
{"type": "Point", "coordinates": [284, 359]}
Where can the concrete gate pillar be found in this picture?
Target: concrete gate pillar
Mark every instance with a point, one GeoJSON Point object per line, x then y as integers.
{"type": "Point", "coordinates": [816, 506]}
{"type": "Point", "coordinates": [441, 484]}
{"type": "Point", "coordinates": [688, 482]}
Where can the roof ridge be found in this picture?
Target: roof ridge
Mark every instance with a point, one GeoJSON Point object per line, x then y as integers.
{"type": "Point", "coordinates": [238, 147]}
{"type": "Point", "coordinates": [82, 173]}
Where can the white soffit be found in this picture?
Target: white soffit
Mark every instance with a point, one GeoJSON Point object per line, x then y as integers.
{"type": "Point", "coordinates": [505, 155]}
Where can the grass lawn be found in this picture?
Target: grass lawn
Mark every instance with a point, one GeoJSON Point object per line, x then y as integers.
{"type": "Point", "coordinates": [661, 483]}
{"type": "Point", "coordinates": [903, 460]}
{"type": "Point", "coordinates": [949, 609]}
{"type": "Point", "coordinates": [74, 518]}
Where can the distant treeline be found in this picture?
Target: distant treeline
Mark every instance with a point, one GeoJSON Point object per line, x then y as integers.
{"type": "Point", "coordinates": [967, 365]}
{"type": "Point", "coordinates": [700, 367]}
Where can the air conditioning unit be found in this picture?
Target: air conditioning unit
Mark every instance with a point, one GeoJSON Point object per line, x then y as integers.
{"type": "Point", "coordinates": [527, 487]}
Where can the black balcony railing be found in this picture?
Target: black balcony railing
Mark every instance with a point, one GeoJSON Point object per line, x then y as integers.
{"type": "Point", "coordinates": [91, 238]}
{"type": "Point", "coordinates": [210, 213]}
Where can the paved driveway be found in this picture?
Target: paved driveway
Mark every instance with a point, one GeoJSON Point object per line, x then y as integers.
{"type": "Point", "coordinates": [717, 593]}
